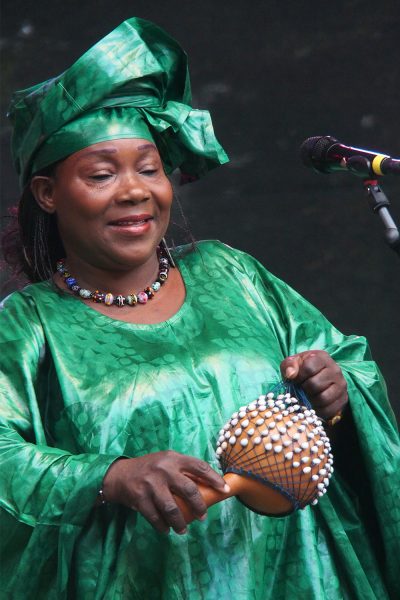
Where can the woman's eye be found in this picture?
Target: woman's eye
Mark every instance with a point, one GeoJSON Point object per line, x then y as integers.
{"type": "Point", "coordinates": [100, 176]}
{"type": "Point", "coordinates": [149, 171]}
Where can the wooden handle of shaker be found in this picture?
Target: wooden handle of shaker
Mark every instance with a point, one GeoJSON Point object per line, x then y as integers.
{"type": "Point", "coordinates": [209, 495]}
{"type": "Point", "coordinates": [260, 497]}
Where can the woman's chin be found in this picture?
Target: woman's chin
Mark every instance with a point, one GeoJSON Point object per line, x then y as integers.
{"type": "Point", "coordinates": [131, 258]}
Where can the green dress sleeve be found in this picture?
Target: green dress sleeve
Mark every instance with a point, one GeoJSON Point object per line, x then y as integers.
{"type": "Point", "coordinates": [42, 487]}
{"type": "Point", "coordinates": [366, 442]}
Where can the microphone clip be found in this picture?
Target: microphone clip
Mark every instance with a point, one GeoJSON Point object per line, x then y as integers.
{"type": "Point", "coordinates": [379, 204]}
{"type": "Point", "coordinates": [359, 165]}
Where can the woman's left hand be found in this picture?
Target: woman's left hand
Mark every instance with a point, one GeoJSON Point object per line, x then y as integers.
{"type": "Point", "coordinates": [321, 378]}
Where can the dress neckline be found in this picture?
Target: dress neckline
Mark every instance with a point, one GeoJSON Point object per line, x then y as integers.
{"type": "Point", "coordinates": [107, 320]}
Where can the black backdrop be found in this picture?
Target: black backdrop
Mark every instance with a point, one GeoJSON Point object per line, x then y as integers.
{"type": "Point", "coordinates": [272, 74]}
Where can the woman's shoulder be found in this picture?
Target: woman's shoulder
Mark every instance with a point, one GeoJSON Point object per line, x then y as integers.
{"type": "Point", "coordinates": [214, 252]}
{"type": "Point", "coordinates": [25, 300]}
{"type": "Point", "coordinates": [213, 256]}
{"type": "Point", "coordinates": [218, 256]}
{"type": "Point", "coordinates": [20, 321]}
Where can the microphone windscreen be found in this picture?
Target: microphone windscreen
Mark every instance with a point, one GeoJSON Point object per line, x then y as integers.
{"type": "Point", "coordinates": [313, 150]}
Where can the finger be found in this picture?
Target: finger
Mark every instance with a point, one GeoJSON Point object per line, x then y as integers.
{"type": "Point", "coordinates": [188, 491]}
{"type": "Point", "coordinates": [326, 394]}
{"type": "Point", "coordinates": [170, 512]}
{"type": "Point", "coordinates": [148, 509]}
{"type": "Point", "coordinates": [328, 411]}
{"type": "Point", "coordinates": [330, 402]}
{"type": "Point", "coordinates": [314, 364]}
{"type": "Point", "coordinates": [325, 398]}
{"type": "Point", "coordinates": [318, 382]}
{"type": "Point", "coordinates": [202, 470]}
{"type": "Point", "coordinates": [304, 364]}
{"type": "Point", "coordinates": [290, 366]}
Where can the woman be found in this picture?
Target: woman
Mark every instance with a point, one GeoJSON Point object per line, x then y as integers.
{"type": "Point", "coordinates": [119, 369]}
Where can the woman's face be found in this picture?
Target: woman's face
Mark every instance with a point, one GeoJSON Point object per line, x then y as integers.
{"type": "Point", "coordinates": [112, 202]}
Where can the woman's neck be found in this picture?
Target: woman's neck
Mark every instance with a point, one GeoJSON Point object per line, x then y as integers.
{"type": "Point", "coordinates": [163, 305]}
{"type": "Point", "coordinates": [117, 280]}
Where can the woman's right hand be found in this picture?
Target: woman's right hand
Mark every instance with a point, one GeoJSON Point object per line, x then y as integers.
{"type": "Point", "coordinates": [148, 484]}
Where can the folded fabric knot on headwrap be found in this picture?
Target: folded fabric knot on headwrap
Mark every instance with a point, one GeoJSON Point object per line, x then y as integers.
{"type": "Point", "coordinates": [134, 83]}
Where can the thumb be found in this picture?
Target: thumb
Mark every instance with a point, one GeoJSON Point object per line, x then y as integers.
{"type": "Point", "coordinates": [290, 366]}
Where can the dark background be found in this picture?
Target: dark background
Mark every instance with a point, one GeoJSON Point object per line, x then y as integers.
{"type": "Point", "coordinates": [272, 74]}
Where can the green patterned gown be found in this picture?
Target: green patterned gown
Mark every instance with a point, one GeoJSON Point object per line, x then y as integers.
{"type": "Point", "coordinates": [80, 389]}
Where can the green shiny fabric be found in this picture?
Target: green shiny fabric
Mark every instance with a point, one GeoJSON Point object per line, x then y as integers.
{"type": "Point", "coordinates": [135, 80]}
{"type": "Point", "coordinates": [80, 389]}
{"type": "Point", "coordinates": [93, 127]}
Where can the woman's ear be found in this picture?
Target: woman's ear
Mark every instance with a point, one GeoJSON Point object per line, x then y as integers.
{"type": "Point", "coordinates": [43, 191]}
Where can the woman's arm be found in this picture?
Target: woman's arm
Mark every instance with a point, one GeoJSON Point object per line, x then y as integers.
{"type": "Point", "coordinates": [39, 484]}
{"type": "Point", "coordinates": [149, 483]}
{"type": "Point", "coordinates": [46, 485]}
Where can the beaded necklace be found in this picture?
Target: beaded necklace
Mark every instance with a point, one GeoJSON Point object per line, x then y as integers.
{"type": "Point", "coordinates": [109, 299]}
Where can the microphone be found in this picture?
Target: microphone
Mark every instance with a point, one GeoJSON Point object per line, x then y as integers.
{"type": "Point", "coordinates": [327, 155]}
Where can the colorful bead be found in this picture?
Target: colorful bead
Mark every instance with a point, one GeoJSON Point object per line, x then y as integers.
{"type": "Point", "coordinates": [70, 281]}
{"type": "Point", "coordinates": [150, 292]}
{"type": "Point", "coordinates": [120, 300]}
{"type": "Point", "coordinates": [97, 297]}
{"type": "Point", "coordinates": [142, 297]}
{"type": "Point", "coordinates": [156, 286]}
{"type": "Point", "coordinates": [108, 299]}
{"type": "Point", "coordinates": [85, 293]}
{"type": "Point", "coordinates": [131, 299]}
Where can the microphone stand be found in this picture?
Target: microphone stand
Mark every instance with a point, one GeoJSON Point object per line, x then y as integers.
{"type": "Point", "coordinates": [379, 203]}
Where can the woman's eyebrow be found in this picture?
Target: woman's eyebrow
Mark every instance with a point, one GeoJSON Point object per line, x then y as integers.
{"type": "Point", "coordinates": [101, 151]}
{"type": "Point", "coordinates": [105, 151]}
{"type": "Point", "coordinates": [147, 147]}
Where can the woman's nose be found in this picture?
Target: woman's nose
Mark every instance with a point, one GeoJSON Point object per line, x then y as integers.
{"type": "Point", "coordinates": [132, 189]}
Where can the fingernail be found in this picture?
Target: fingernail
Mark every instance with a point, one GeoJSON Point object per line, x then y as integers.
{"type": "Point", "coordinates": [227, 489]}
{"type": "Point", "coordinates": [290, 371]}
{"type": "Point", "coordinates": [203, 517]}
{"type": "Point", "coordinates": [182, 532]}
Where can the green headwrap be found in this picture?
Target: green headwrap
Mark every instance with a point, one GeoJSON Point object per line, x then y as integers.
{"type": "Point", "coordinates": [132, 83]}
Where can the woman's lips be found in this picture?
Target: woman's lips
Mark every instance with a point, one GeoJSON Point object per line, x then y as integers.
{"type": "Point", "coordinates": [135, 224]}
